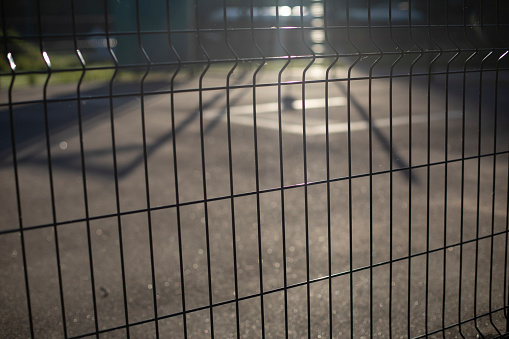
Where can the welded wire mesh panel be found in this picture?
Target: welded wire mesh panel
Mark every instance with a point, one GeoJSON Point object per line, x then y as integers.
{"type": "Point", "coordinates": [268, 168]}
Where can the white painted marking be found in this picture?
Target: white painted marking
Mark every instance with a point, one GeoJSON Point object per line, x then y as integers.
{"type": "Point", "coordinates": [320, 103]}
{"type": "Point", "coordinates": [242, 115]}
{"type": "Point", "coordinates": [273, 107]}
{"type": "Point", "coordinates": [355, 126]}
{"type": "Point", "coordinates": [377, 123]}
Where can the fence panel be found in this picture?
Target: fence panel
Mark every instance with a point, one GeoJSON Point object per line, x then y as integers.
{"type": "Point", "coordinates": [282, 168]}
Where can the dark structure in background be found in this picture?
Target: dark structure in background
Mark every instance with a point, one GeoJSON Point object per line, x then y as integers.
{"type": "Point", "coordinates": [175, 263]}
{"type": "Point", "coordinates": [485, 27]}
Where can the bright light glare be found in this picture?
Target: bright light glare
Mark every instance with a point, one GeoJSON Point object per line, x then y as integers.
{"type": "Point", "coordinates": [285, 11]}
{"type": "Point", "coordinates": [80, 56]}
{"type": "Point", "coordinates": [46, 58]}
{"type": "Point", "coordinates": [318, 48]}
{"type": "Point", "coordinates": [11, 61]}
{"type": "Point", "coordinates": [318, 37]}
{"type": "Point", "coordinates": [317, 10]}
{"type": "Point", "coordinates": [63, 145]}
{"type": "Point", "coordinates": [403, 6]}
{"type": "Point", "coordinates": [317, 22]}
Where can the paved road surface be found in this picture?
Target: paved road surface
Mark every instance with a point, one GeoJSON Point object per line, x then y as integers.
{"type": "Point", "coordinates": [379, 212]}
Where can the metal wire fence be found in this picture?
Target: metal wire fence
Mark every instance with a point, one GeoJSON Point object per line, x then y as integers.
{"type": "Point", "coordinates": [269, 168]}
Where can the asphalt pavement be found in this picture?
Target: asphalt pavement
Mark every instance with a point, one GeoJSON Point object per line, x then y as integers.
{"type": "Point", "coordinates": [355, 242]}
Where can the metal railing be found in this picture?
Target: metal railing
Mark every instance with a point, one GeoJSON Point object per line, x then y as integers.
{"type": "Point", "coordinates": [254, 169]}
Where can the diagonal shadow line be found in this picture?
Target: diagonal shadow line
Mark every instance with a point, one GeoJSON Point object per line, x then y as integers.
{"type": "Point", "coordinates": [396, 157]}
{"type": "Point", "coordinates": [221, 113]}
{"type": "Point", "coordinates": [28, 130]}
{"type": "Point", "coordinates": [168, 136]}
{"type": "Point", "coordinates": [154, 146]}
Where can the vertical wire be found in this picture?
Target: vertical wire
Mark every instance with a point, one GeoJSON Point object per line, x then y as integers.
{"type": "Point", "coordinates": [428, 177]}
{"type": "Point", "coordinates": [203, 168]}
{"type": "Point", "coordinates": [257, 174]}
{"type": "Point", "coordinates": [50, 167]}
{"type": "Point", "coordinates": [410, 176]}
{"type": "Point", "coordinates": [506, 300]}
{"type": "Point", "coordinates": [446, 152]}
{"type": "Point", "coordinates": [505, 294]}
{"type": "Point", "coordinates": [115, 168]}
{"type": "Point", "coordinates": [497, 70]}
{"type": "Point", "coordinates": [304, 150]}
{"type": "Point", "coordinates": [16, 173]}
{"type": "Point", "coordinates": [83, 168]}
{"type": "Point", "coordinates": [409, 183]}
{"type": "Point", "coordinates": [370, 164]}
{"type": "Point", "coordinates": [281, 166]}
{"type": "Point", "coordinates": [478, 195]}
{"type": "Point", "coordinates": [350, 198]}
{"type": "Point", "coordinates": [370, 150]}
{"type": "Point", "coordinates": [145, 167]}
{"type": "Point", "coordinates": [463, 135]}
{"type": "Point", "coordinates": [447, 73]}
{"type": "Point", "coordinates": [463, 156]}
{"type": "Point", "coordinates": [350, 231]}
{"type": "Point", "coordinates": [175, 169]}
{"type": "Point", "coordinates": [428, 174]}
{"type": "Point", "coordinates": [327, 156]}
{"type": "Point", "coordinates": [478, 198]}
{"type": "Point", "coordinates": [230, 168]}
{"type": "Point", "coordinates": [391, 167]}
{"type": "Point", "coordinates": [478, 187]}
{"type": "Point", "coordinates": [493, 195]}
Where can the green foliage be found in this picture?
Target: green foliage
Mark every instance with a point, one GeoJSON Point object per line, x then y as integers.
{"type": "Point", "coordinates": [26, 54]}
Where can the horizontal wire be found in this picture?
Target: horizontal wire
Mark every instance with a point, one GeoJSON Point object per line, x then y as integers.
{"type": "Point", "coordinates": [220, 304]}
{"type": "Point", "coordinates": [240, 29]}
{"type": "Point", "coordinates": [255, 59]}
{"type": "Point", "coordinates": [314, 281]}
{"type": "Point", "coordinates": [250, 193]}
{"type": "Point", "coordinates": [448, 327]}
{"type": "Point", "coordinates": [220, 88]}
{"type": "Point", "coordinates": [42, 38]}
